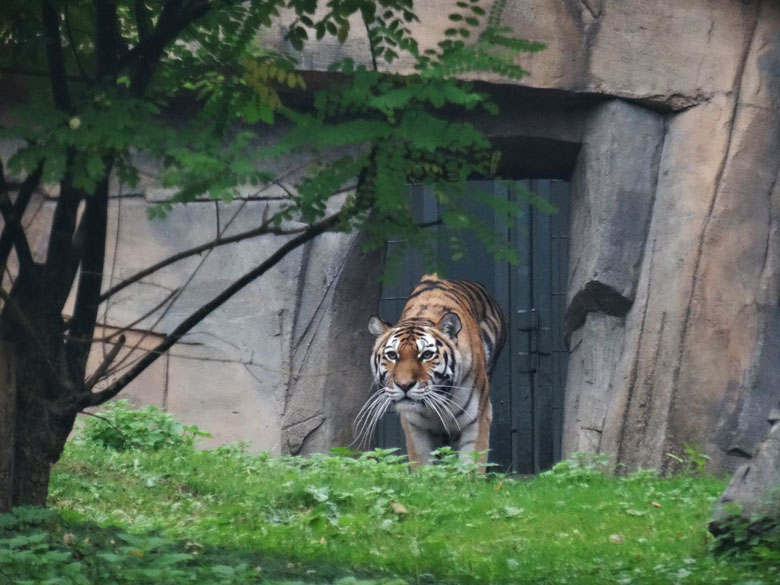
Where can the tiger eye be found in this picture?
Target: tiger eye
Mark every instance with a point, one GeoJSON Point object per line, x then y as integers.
{"type": "Point", "coordinates": [391, 355]}
{"type": "Point", "coordinates": [427, 355]}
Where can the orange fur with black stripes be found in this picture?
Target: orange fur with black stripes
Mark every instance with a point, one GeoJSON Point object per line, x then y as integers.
{"type": "Point", "coordinates": [432, 368]}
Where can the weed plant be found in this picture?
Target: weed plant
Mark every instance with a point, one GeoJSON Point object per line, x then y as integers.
{"type": "Point", "coordinates": [178, 515]}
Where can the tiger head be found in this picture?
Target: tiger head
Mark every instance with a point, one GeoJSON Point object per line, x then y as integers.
{"type": "Point", "coordinates": [415, 359]}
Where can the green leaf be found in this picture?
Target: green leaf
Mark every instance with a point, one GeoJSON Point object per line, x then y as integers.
{"type": "Point", "coordinates": [343, 32]}
{"type": "Point", "coordinates": [224, 571]}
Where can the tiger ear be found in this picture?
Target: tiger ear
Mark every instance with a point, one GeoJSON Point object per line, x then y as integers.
{"type": "Point", "coordinates": [450, 325]}
{"type": "Point", "coordinates": [376, 326]}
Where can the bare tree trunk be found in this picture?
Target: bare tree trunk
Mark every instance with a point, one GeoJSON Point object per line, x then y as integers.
{"type": "Point", "coordinates": [7, 427]}
{"type": "Point", "coordinates": [39, 439]}
{"type": "Point", "coordinates": [32, 436]}
{"type": "Point", "coordinates": [34, 421]}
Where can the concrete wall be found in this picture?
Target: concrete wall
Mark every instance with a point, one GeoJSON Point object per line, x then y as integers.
{"type": "Point", "coordinates": [674, 289]}
{"type": "Point", "coordinates": [666, 117]}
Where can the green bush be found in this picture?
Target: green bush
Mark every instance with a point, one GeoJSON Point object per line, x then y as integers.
{"type": "Point", "coordinates": [322, 517]}
{"type": "Point", "coordinates": [120, 427]}
{"type": "Point", "coordinates": [44, 547]}
{"type": "Point", "coordinates": [579, 468]}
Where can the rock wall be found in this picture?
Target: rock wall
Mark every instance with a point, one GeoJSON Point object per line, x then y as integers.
{"type": "Point", "coordinates": [666, 117]}
{"type": "Point", "coordinates": [752, 499]}
{"type": "Point", "coordinates": [261, 368]}
{"type": "Point", "coordinates": [689, 361]}
{"type": "Point", "coordinates": [673, 289]}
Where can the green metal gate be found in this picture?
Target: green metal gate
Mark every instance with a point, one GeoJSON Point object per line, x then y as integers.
{"type": "Point", "coordinates": [527, 387]}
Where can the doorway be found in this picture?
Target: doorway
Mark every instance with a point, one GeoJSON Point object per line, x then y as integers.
{"type": "Point", "coordinates": [527, 386]}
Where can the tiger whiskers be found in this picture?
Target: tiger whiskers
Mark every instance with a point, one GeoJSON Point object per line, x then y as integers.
{"type": "Point", "coordinates": [431, 404]}
{"type": "Point", "coordinates": [379, 412]}
{"type": "Point", "coordinates": [449, 386]}
{"type": "Point", "coordinates": [448, 398]}
{"type": "Point", "coordinates": [368, 417]}
{"type": "Point", "coordinates": [366, 414]}
{"type": "Point", "coordinates": [438, 402]}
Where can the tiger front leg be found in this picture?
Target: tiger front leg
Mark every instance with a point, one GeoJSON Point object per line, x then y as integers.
{"type": "Point", "coordinates": [476, 437]}
{"type": "Point", "coordinates": [419, 443]}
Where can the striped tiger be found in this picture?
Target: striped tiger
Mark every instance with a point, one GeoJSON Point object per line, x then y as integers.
{"type": "Point", "coordinates": [432, 368]}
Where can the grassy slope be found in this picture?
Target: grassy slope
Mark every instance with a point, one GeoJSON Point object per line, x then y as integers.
{"type": "Point", "coordinates": [323, 517]}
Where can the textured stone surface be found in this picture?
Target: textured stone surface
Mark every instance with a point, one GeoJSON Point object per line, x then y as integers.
{"type": "Point", "coordinates": [637, 424]}
{"type": "Point", "coordinates": [696, 368]}
{"type": "Point", "coordinates": [674, 293]}
{"type": "Point", "coordinates": [329, 380]}
{"type": "Point", "coordinates": [224, 397]}
{"type": "Point", "coordinates": [754, 491]}
{"type": "Point", "coordinates": [677, 54]}
{"type": "Point", "coordinates": [731, 320]}
{"type": "Point", "coordinates": [613, 187]}
{"type": "Point", "coordinates": [595, 350]}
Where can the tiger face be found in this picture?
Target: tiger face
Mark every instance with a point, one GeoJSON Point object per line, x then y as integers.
{"type": "Point", "coordinates": [415, 363]}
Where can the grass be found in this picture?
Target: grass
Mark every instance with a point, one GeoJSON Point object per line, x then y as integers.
{"type": "Point", "coordinates": [180, 515]}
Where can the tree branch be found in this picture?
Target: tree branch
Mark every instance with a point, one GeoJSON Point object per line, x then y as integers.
{"type": "Point", "coordinates": [101, 369]}
{"type": "Point", "coordinates": [167, 15]}
{"type": "Point", "coordinates": [143, 23]}
{"type": "Point", "coordinates": [263, 229]}
{"type": "Point", "coordinates": [54, 56]}
{"type": "Point", "coordinates": [371, 48]}
{"type": "Point", "coordinates": [82, 325]}
{"type": "Point", "coordinates": [57, 281]}
{"type": "Point", "coordinates": [93, 399]}
{"type": "Point", "coordinates": [72, 42]}
{"type": "Point", "coordinates": [106, 39]}
{"type": "Point", "coordinates": [146, 315]}
{"type": "Point", "coordinates": [175, 16]}
{"type": "Point", "coordinates": [13, 234]}
{"type": "Point", "coordinates": [427, 224]}
{"type": "Point", "coordinates": [172, 20]}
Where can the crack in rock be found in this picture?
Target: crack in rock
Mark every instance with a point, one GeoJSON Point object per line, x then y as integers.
{"type": "Point", "coordinates": [595, 297]}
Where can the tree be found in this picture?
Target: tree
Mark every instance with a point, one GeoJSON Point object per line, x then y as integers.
{"type": "Point", "coordinates": [102, 76]}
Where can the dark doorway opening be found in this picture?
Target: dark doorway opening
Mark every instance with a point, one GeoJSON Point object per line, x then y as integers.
{"type": "Point", "coordinates": [527, 387]}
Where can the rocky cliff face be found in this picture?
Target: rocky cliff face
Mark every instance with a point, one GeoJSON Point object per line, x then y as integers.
{"type": "Point", "coordinates": [674, 299]}
{"type": "Point", "coordinates": [666, 118]}
{"type": "Point", "coordinates": [674, 285]}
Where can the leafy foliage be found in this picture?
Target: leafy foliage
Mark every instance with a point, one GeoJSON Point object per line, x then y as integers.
{"type": "Point", "coordinates": [121, 427]}
{"type": "Point", "coordinates": [41, 546]}
{"type": "Point", "coordinates": [200, 89]}
{"type": "Point", "coordinates": [327, 516]}
{"type": "Point", "coordinates": [580, 468]}
{"type": "Point", "coordinates": [395, 128]}
{"type": "Point", "coordinates": [403, 129]}
{"type": "Point", "coordinates": [750, 539]}
{"type": "Point", "coordinates": [693, 460]}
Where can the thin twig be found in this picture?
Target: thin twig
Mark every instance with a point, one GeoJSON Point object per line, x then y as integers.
{"type": "Point", "coordinates": [146, 315]}
{"type": "Point", "coordinates": [101, 369]}
{"type": "Point", "coordinates": [428, 224]}
{"type": "Point", "coordinates": [105, 420]}
{"type": "Point", "coordinates": [263, 229]}
{"type": "Point", "coordinates": [94, 398]}
{"type": "Point", "coordinates": [370, 43]}
{"type": "Point", "coordinates": [174, 297]}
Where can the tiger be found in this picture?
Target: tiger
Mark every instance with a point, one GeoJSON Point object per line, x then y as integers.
{"type": "Point", "coordinates": [433, 368]}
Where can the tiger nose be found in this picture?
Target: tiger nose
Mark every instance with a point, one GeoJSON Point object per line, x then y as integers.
{"type": "Point", "coordinates": [405, 387]}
